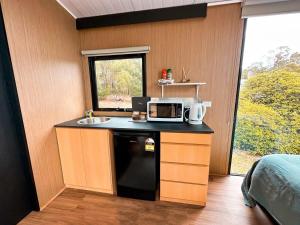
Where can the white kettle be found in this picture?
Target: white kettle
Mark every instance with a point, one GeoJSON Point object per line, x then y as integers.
{"type": "Point", "coordinates": [197, 113]}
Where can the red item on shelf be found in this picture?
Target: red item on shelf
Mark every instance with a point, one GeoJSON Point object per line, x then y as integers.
{"type": "Point", "coordinates": [164, 74]}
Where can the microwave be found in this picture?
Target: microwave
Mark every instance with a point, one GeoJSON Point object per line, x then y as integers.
{"type": "Point", "coordinates": [165, 110]}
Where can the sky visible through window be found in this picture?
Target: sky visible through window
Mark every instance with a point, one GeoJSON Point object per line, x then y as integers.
{"type": "Point", "coordinates": [266, 33]}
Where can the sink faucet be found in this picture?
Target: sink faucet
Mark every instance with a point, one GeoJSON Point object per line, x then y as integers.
{"type": "Point", "coordinates": [89, 113]}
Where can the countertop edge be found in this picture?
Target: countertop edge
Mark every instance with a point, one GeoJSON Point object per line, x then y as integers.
{"type": "Point", "coordinates": [73, 124]}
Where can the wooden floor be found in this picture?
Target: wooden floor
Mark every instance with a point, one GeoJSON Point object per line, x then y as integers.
{"type": "Point", "coordinates": [225, 206]}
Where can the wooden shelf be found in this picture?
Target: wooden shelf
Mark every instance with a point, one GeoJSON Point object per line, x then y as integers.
{"type": "Point", "coordinates": [183, 84]}
{"type": "Point", "coordinates": [195, 84]}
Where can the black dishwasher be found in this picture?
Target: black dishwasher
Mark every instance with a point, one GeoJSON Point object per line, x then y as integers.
{"type": "Point", "coordinates": [137, 164]}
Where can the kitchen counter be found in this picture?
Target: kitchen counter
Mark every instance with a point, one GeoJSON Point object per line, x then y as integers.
{"type": "Point", "coordinates": [124, 123]}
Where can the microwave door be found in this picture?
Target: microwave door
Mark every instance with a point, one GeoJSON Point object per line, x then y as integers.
{"type": "Point", "coordinates": [178, 111]}
{"type": "Point", "coordinates": [174, 110]}
{"type": "Point", "coordinates": [164, 111]}
{"type": "Point", "coordinates": [153, 111]}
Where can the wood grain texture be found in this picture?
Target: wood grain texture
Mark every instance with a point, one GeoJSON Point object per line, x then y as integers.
{"type": "Point", "coordinates": [71, 156]}
{"type": "Point", "coordinates": [185, 138]}
{"type": "Point", "coordinates": [183, 192]}
{"type": "Point", "coordinates": [183, 181]}
{"type": "Point", "coordinates": [86, 158]}
{"type": "Point", "coordinates": [97, 158]}
{"type": "Point", "coordinates": [44, 48]}
{"type": "Point", "coordinates": [86, 188]}
{"type": "Point", "coordinates": [210, 48]}
{"type": "Point", "coordinates": [184, 153]}
{"type": "Point", "coordinates": [80, 208]}
{"type": "Point", "coordinates": [184, 173]}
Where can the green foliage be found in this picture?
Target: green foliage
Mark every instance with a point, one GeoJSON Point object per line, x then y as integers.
{"type": "Point", "coordinates": [119, 78]}
{"type": "Point", "coordinates": [268, 119]}
{"type": "Point", "coordinates": [278, 89]}
{"type": "Point", "coordinates": [257, 128]}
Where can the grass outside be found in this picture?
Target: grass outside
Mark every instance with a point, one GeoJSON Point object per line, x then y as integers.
{"type": "Point", "coordinates": [242, 161]}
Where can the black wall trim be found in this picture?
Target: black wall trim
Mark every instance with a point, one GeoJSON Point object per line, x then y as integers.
{"type": "Point", "coordinates": [237, 97]}
{"type": "Point", "coordinates": [153, 15]}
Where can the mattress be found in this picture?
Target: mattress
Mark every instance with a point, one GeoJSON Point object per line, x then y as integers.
{"type": "Point", "coordinates": [274, 183]}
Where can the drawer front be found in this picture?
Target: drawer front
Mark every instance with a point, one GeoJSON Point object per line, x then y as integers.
{"type": "Point", "coordinates": [183, 153]}
{"type": "Point", "coordinates": [185, 138]}
{"type": "Point", "coordinates": [182, 191]}
{"type": "Point", "coordinates": [184, 173]}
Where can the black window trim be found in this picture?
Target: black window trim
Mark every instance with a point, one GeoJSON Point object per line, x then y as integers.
{"type": "Point", "coordinates": [93, 80]}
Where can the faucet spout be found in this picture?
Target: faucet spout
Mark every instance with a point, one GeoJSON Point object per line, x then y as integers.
{"type": "Point", "coordinates": [89, 113]}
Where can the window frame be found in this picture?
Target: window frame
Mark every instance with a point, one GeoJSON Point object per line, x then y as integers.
{"type": "Point", "coordinates": [93, 80]}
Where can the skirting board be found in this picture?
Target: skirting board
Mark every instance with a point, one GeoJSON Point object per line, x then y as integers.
{"type": "Point", "coordinates": [90, 189]}
{"type": "Point", "coordinates": [54, 197]}
{"type": "Point", "coordinates": [182, 201]}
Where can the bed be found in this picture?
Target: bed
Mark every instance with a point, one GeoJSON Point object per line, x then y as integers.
{"type": "Point", "coordinates": [273, 182]}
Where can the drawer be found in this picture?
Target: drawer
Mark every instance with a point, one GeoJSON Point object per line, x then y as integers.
{"type": "Point", "coordinates": [184, 173]}
{"type": "Point", "coordinates": [183, 153]}
{"type": "Point", "coordinates": [181, 192]}
{"type": "Point", "coordinates": [185, 138]}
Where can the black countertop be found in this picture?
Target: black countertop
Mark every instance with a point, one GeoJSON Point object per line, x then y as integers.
{"type": "Point", "coordinates": [125, 123]}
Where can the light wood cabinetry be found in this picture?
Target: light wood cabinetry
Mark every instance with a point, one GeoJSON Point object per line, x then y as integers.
{"type": "Point", "coordinates": [86, 158]}
{"type": "Point", "coordinates": [69, 141]}
{"type": "Point", "coordinates": [186, 138]}
{"type": "Point", "coordinates": [184, 173]}
{"type": "Point", "coordinates": [183, 192]}
{"type": "Point", "coordinates": [184, 167]}
{"type": "Point", "coordinates": [96, 157]}
{"type": "Point", "coordinates": [185, 153]}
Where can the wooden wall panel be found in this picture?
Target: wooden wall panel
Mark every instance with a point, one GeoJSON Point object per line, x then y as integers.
{"type": "Point", "coordinates": [209, 47]}
{"type": "Point", "coordinates": [44, 47]}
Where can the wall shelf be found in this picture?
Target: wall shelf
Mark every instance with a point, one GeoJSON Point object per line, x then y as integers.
{"type": "Point", "coordinates": [195, 84]}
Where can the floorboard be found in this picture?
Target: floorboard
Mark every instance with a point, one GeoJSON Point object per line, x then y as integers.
{"type": "Point", "coordinates": [224, 206]}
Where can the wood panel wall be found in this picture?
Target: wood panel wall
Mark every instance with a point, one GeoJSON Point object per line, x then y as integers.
{"type": "Point", "coordinates": [210, 48]}
{"type": "Point", "coordinates": [44, 47]}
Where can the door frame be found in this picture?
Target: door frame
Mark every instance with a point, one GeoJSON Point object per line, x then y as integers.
{"type": "Point", "coordinates": [237, 98]}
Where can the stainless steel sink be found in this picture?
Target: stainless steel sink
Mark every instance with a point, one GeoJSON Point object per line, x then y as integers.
{"type": "Point", "coordinates": [94, 120]}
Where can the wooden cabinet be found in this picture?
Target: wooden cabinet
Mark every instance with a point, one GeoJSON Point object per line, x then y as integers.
{"type": "Point", "coordinates": [86, 158]}
{"type": "Point", "coordinates": [70, 149]}
{"type": "Point", "coordinates": [186, 138]}
{"type": "Point", "coordinates": [183, 192]}
{"type": "Point", "coordinates": [184, 173]}
{"type": "Point", "coordinates": [185, 153]}
{"type": "Point", "coordinates": [184, 167]}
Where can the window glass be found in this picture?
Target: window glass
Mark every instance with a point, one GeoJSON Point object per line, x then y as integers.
{"type": "Point", "coordinates": [268, 113]}
{"type": "Point", "coordinates": [116, 79]}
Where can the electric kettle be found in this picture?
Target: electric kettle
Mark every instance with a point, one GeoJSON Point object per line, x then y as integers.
{"type": "Point", "coordinates": [197, 112]}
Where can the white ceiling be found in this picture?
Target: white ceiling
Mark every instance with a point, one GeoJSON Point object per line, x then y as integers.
{"type": "Point", "coordinates": [87, 8]}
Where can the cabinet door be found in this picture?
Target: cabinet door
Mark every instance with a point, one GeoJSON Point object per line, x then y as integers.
{"type": "Point", "coordinates": [70, 150]}
{"type": "Point", "coordinates": [97, 159]}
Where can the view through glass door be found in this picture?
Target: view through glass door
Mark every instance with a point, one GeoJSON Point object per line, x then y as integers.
{"type": "Point", "coordinates": [268, 115]}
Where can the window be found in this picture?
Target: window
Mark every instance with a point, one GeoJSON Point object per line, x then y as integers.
{"type": "Point", "coordinates": [268, 110]}
{"type": "Point", "coordinates": [115, 79]}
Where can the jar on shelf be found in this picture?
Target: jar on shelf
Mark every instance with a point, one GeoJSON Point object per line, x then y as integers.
{"type": "Point", "coordinates": [169, 74]}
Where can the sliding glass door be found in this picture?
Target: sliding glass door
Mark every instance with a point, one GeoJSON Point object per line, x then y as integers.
{"type": "Point", "coordinates": [268, 111]}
